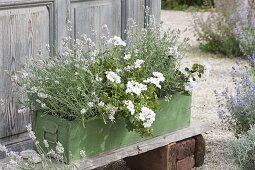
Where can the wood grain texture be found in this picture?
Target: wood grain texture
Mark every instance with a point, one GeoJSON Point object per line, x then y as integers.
{"type": "Point", "coordinates": [92, 15]}
{"type": "Point", "coordinates": [23, 32]}
{"type": "Point", "coordinates": [195, 129]}
{"type": "Point", "coordinates": [135, 10]}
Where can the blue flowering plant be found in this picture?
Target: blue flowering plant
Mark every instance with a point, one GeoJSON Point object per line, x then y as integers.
{"type": "Point", "coordinates": [112, 81]}
{"type": "Point", "coordinates": [238, 108]}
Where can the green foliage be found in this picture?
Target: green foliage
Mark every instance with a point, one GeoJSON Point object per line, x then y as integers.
{"type": "Point", "coordinates": [111, 82]}
{"type": "Point", "coordinates": [243, 149]}
{"type": "Point", "coordinates": [185, 4]}
{"type": "Point", "coordinates": [215, 34]}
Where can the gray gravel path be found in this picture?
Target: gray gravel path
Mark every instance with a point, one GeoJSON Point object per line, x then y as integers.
{"type": "Point", "coordinates": [204, 104]}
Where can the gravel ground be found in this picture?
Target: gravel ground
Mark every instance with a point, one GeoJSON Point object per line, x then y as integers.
{"type": "Point", "coordinates": [204, 104]}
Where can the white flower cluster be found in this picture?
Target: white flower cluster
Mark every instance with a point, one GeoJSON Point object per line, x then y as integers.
{"type": "Point", "coordinates": [127, 57]}
{"type": "Point", "coordinates": [59, 148]}
{"type": "Point", "coordinates": [112, 114]}
{"type": "Point", "coordinates": [31, 134]}
{"type": "Point", "coordinates": [158, 77]}
{"type": "Point", "coordinates": [117, 41]}
{"type": "Point", "coordinates": [135, 87]}
{"type": "Point", "coordinates": [138, 63]}
{"type": "Point", "coordinates": [130, 106]}
{"type": "Point", "coordinates": [113, 77]}
{"type": "Point", "coordinates": [147, 116]}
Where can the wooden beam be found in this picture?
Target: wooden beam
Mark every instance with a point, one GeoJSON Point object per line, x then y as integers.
{"type": "Point", "coordinates": [194, 129]}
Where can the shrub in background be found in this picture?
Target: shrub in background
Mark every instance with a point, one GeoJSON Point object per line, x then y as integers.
{"type": "Point", "coordinates": [215, 34]}
{"type": "Point", "coordinates": [243, 149]}
{"type": "Point", "coordinates": [184, 4]}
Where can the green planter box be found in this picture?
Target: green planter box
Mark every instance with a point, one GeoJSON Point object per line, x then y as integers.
{"type": "Point", "coordinates": [98, 137]}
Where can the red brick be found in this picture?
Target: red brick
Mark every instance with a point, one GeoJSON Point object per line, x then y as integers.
{"type": "Point", "coordinates": [185, 148]}
{"type": "Point", "coordinates": [186, 164]}
{"type": "Point", "coordinates": [199, 151]}
{"type": "Point", "coordinates": [163, 158]}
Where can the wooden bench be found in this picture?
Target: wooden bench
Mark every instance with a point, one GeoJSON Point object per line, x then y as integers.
{"type": "Point", "coordinates": [177, 150]}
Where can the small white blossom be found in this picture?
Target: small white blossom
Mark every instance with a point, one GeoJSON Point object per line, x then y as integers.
{"type": "Point", "coordinates": [90, 104]}
{"type": "Point", "coordinates": [130, 106]}
{"type": "Point", "coordinates": [23, 110]}
{"type": "Point", "coordinates": [101, 104]}
{"type": "Point", "coordinates": [112, 113]}
{"type": "Point", "coordinates": [34, 89]}
{"type": "Point", "coordinates": [57, 82]}
{"type": "Point", "coordinates": [159, 76]}
{"type": "Point", "coordinates": [98, 78]}
{"type": "Point", "coordinates": [82, 153]}
{"type": "Point", "coordinates": [25, 74]}
{"type": "Point", "coordinates": [113, 77]}
{"type": "Point", "coordinates": [83, 111]}
{"type": "Point", "coordinates": [38, 101]}
{"type": "Point", "coordinates": [138, 63]}
{"type": "Point", "coordinates": [43, 105]}
{"type": "Point", "coordinates": [59, 148]}
{"type": "Point", "coordinates": [76, 73]}
{"type": "Point", "coordinates": [31, 134]}
{"type": "Point", "coordinates": [127, 57]}
{"type": "Point", "coordinates": [117, 41]}
{"type": "Point", "coordinates": [147, 116]}
{"type": "Point", "coordinates": [3, 148]}
{"type": "Point", "coordinates": [128, 68]}
{"type": "Point", "coordinates": [135, 87]}
{"type": "Point", "coordinates": [42, 95]}
{"type": "Point", "coordinates": [46, 144]}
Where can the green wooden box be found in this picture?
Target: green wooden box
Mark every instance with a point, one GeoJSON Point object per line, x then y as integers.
{"type": "Point", "coordinates": [98, 137]}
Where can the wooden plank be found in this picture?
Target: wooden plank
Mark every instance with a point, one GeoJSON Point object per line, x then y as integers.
{"type": "Point", "coordinates": [135, 10]}
{"type": "Point", "coordinates": [155, 8]}
{"type": "Point", "coordinates": [195, 128]}
{"type": "Point", "coordinates": [88, 15]}
{"type": "Point", "coordinates": [24, 31]}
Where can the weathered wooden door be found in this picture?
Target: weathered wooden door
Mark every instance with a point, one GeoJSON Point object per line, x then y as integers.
{"type": "Point", "coordinates": [26, 26]}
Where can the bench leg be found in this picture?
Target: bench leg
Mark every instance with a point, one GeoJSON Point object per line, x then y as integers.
{"type": "Point", "coordinates": [183, 155]}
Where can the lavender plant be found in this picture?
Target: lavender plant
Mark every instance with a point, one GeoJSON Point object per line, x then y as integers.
{"type": "Point", "coordinates": [239, 109]}
{"type": "Point", "coordinates": [245, 27]}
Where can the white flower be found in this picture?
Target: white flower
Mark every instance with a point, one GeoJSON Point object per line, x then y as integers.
{"type": "Point", "coordinates": [57, 82]}
{"type": "Point", "coordinates": [90, 104]}
{"type": "Point", "coordinates": [117, 41]}
{"type": "Point", "coordinates": [23, 110]}
{"type": "Point", "coordinates": [46, 144]}
{"type": "Point", "coordinates": [127, 57]}
{"type": "Point", "coordinates": [113, 77]}
{"type": "Point", "coordinates": [34, 89]}
{"type": "Point", "coordinates": [191, 84]}
{"type": "Point", "coordinates": [43, 105]}
{"type": "Point", "coordinates": [138, 63]}
{"type": "Point", "coordinates": [130, 106]}
{"type": "Point", "coordinates": [42, 95]}
{"type": "Point", "coordinates": [147, 116]}
{"type": "Point", "coordinates": [38, 101]}
{"type": "Point", "coordinates": [154, 81]}
{"type": "Point", "coordinates": [82, 153]}
{"type": "Point", "coordinates": [59, 148]}
{"type": "Point", "coordinates": [83, 111]}
{"type": "Point", "coordinates": [101, 104]}
{"type": "Point", "coordinates": [112, 113]}
{"type": "Point", "coordinates": [135, 87]}
{"type": "Point", "coordinates": [98, 78]}
{"type": "Point", "coordinates": [25, 74]}
{"type": "Point", "coordinates": [159, 75]}
{"type": "Point", "coordinates": [76, 73]}
{"type": "Point", "coordinates": [128, 68]}
{"type": "Point", "coordinates": [3, 148]}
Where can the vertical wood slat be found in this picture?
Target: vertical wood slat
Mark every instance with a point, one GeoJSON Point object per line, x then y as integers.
{"type": "Point", "coordinates": [23, 32]}
{"type": "Point", "coordinates": [92, 15]}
